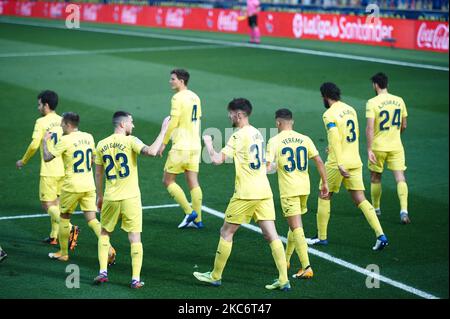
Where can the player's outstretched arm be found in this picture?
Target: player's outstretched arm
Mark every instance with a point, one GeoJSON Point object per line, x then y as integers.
{"type": "Point", "coordinates": [216, 158]}
{"type": "Point", "coordinates": [153, 149]}
{"type": "Point", "coordinates": [47, 155]}
{"type": "Point", "coordinates": [31, 150]}
{"type": "Point", "coordinates": [323, 175]}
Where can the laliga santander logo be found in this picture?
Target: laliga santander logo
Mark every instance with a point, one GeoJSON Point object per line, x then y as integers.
{"type": "Point", "coordinates": [175, 18]}
{"type": "Point", "coordinates": [1, 7]}
{"type": "Point", "coordinates": [433, 38]}
{"type": "Point", "coordinates": [90, 12]}
{"type": "Point", "coordinates": [158, 17]}
{"type": "Point", "coordinates": [297, 25]}
{"type": "Point", "coordinates": [129, 15]}
{"type": "Point", "coordinates": [228, 22]}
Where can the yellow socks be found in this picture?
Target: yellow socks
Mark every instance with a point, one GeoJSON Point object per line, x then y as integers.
{"type": "Point", "coordinates": [280, 260]}
{"type": "Point", "coordinates": [371, 217]}
{"type": "Point", "coordinates": [196, 197]}
{"type": "Point", "coordinates": [137, 254]}
{"type": "Point", "coordinates": [402, 191]}
{"type": "Point", "coordinates": [64, 232]}
{"type": "Point", "coordinates": [290, 246]}
{"type": "Point", "coordinates": [103, 249]}
{"type": "Point", "coordinates": [178, 195]}
{"type": "Point", "coordinates": [301, 247]}
{"type": "Point", "coordinates": [96, 227]}
{"type": "Point", "coordinates": [323, 216]}
{"type": "Point", "coordinates": [223, 252]}
{"type": "Point", "coordinates": [375, 191]}
{"type": "Point", "coordinates": [54, 213]}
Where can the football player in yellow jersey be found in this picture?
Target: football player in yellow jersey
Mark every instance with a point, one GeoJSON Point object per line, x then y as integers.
{"type": "Point", "coordinates": [184, 156]}
{"type": "Point", "coordinates": [343, 164]}
{"type": "Point", "coordinates": [51, 174]}
{"type": "Point", "coordinates": [386, 120]}
{"type": "Point", "coordinates": [252, 194]}
{"type": "Point", "coordinates": [116, 159]}
{"type": "Point", "coordinates": [77, 151]}
{"type": "Point", "coordinates": [289, 153]}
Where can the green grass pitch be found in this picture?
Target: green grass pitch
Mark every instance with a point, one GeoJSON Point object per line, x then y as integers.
{"type": "Point", "coordinates": [95, 85]}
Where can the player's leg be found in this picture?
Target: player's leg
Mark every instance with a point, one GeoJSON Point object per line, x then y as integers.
{"type": "Point", "coordinates": [111, 211]}
{"type": "Point", "coordinates": [376, 170]}
{"type": "Point", "coordinates": [69, 202]}
{"type": "Point", "coordinates": [375, 191]}
{"type": "Point", "coordinates": [196, 195]}
{"type": "Point", "coordinates": [256, 32]}
{"type": "Point", "coordinates": [334, 180]}
{"type": "Point", "coordinates": [49, 190]}
{"type": "Point", "coordinates": [238, 212]}
{"type": "Point", "coordinates": [103, 249]}
{"type": "Point", "coordinates": [172, 168]}
{"type": "Point", "coordinates": [294, 220]}
{"type": "Point", "coordinates": [265, 217]}
{"type": "Point", "coordinates": [396, 163]}
{"type": "Point", "coordinates": [137, 256]}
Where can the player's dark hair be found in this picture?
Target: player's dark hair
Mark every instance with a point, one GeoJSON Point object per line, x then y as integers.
{"type": "Point", "coordinates": [240, 104]}
{"type": "Point", "coordinates": [181, 75]}
{"type": "Point", "coordinates": [380, 79]}
{"type": "Point", "coordinates": [284, 114]}
{"type": "Point", "coordinates": [331, 91]}
{"type": "Point", "coordinates": [71, 118]}
{"type": "Point", "coordinates": [49, 97]}
{"type": "Point", "coordinates": [119, 116]}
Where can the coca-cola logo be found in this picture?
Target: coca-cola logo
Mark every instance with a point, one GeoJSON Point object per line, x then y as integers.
{"type": "Point", "coordinates": [433, 38]}
{"type": "Point", "coordinates": [90, 12]}
{"type": "Point", "coordinates": [175, 18]}
{"type": "Point", "coordinates": [228, 22]}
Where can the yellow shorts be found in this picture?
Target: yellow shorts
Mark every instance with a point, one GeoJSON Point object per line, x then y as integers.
{"type": "Point", "coordinates": [180, 161]}
{"type": "Point", "coordinates": [395, 161]}
{"type": "Point", "coordinates": [70, 201]}
{"type": "Point", "coordinates": [130, 210]}
{"type": "Point", "coordinates": [241, 211]}
{"type": "Point", "coordinates": [50, 188]}
{"type": "Point", "coordinates": [335, 179]}
{"type": "Point", "coordinates": [295, 205]}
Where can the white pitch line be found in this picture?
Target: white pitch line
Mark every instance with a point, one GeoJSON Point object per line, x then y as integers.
{"type": "Point", "coordinates": [237, 44]}
{"type": "Point", "coordinates": [107, 51]}
{"type": "Point", "coordinates": [311, 251]}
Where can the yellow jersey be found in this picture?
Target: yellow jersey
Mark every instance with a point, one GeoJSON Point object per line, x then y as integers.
{"type": "Point", "coordinates": [76, 150]}
{"type": "Point", "coordinates": [118, 155]}
{"type": "Point", "coordinates": [246, 147]}
{"type": "Point", "coordinates": [388, 111]}
{"type": "Point", "coordinates": [291, 152]}
{"type": "Point", "coordinates": [187, 108]}
{"type": "Point", "coordinates": [344, 118]}
{"type": "Point", "coordinates": [51, 123]}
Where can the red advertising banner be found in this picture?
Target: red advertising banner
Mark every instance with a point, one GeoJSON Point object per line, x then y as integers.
{"type": "Point", "coordinates": [399, 33]}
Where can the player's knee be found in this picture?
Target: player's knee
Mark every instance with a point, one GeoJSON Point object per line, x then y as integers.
{"type": "Point", "coordinates": [375, 177]}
